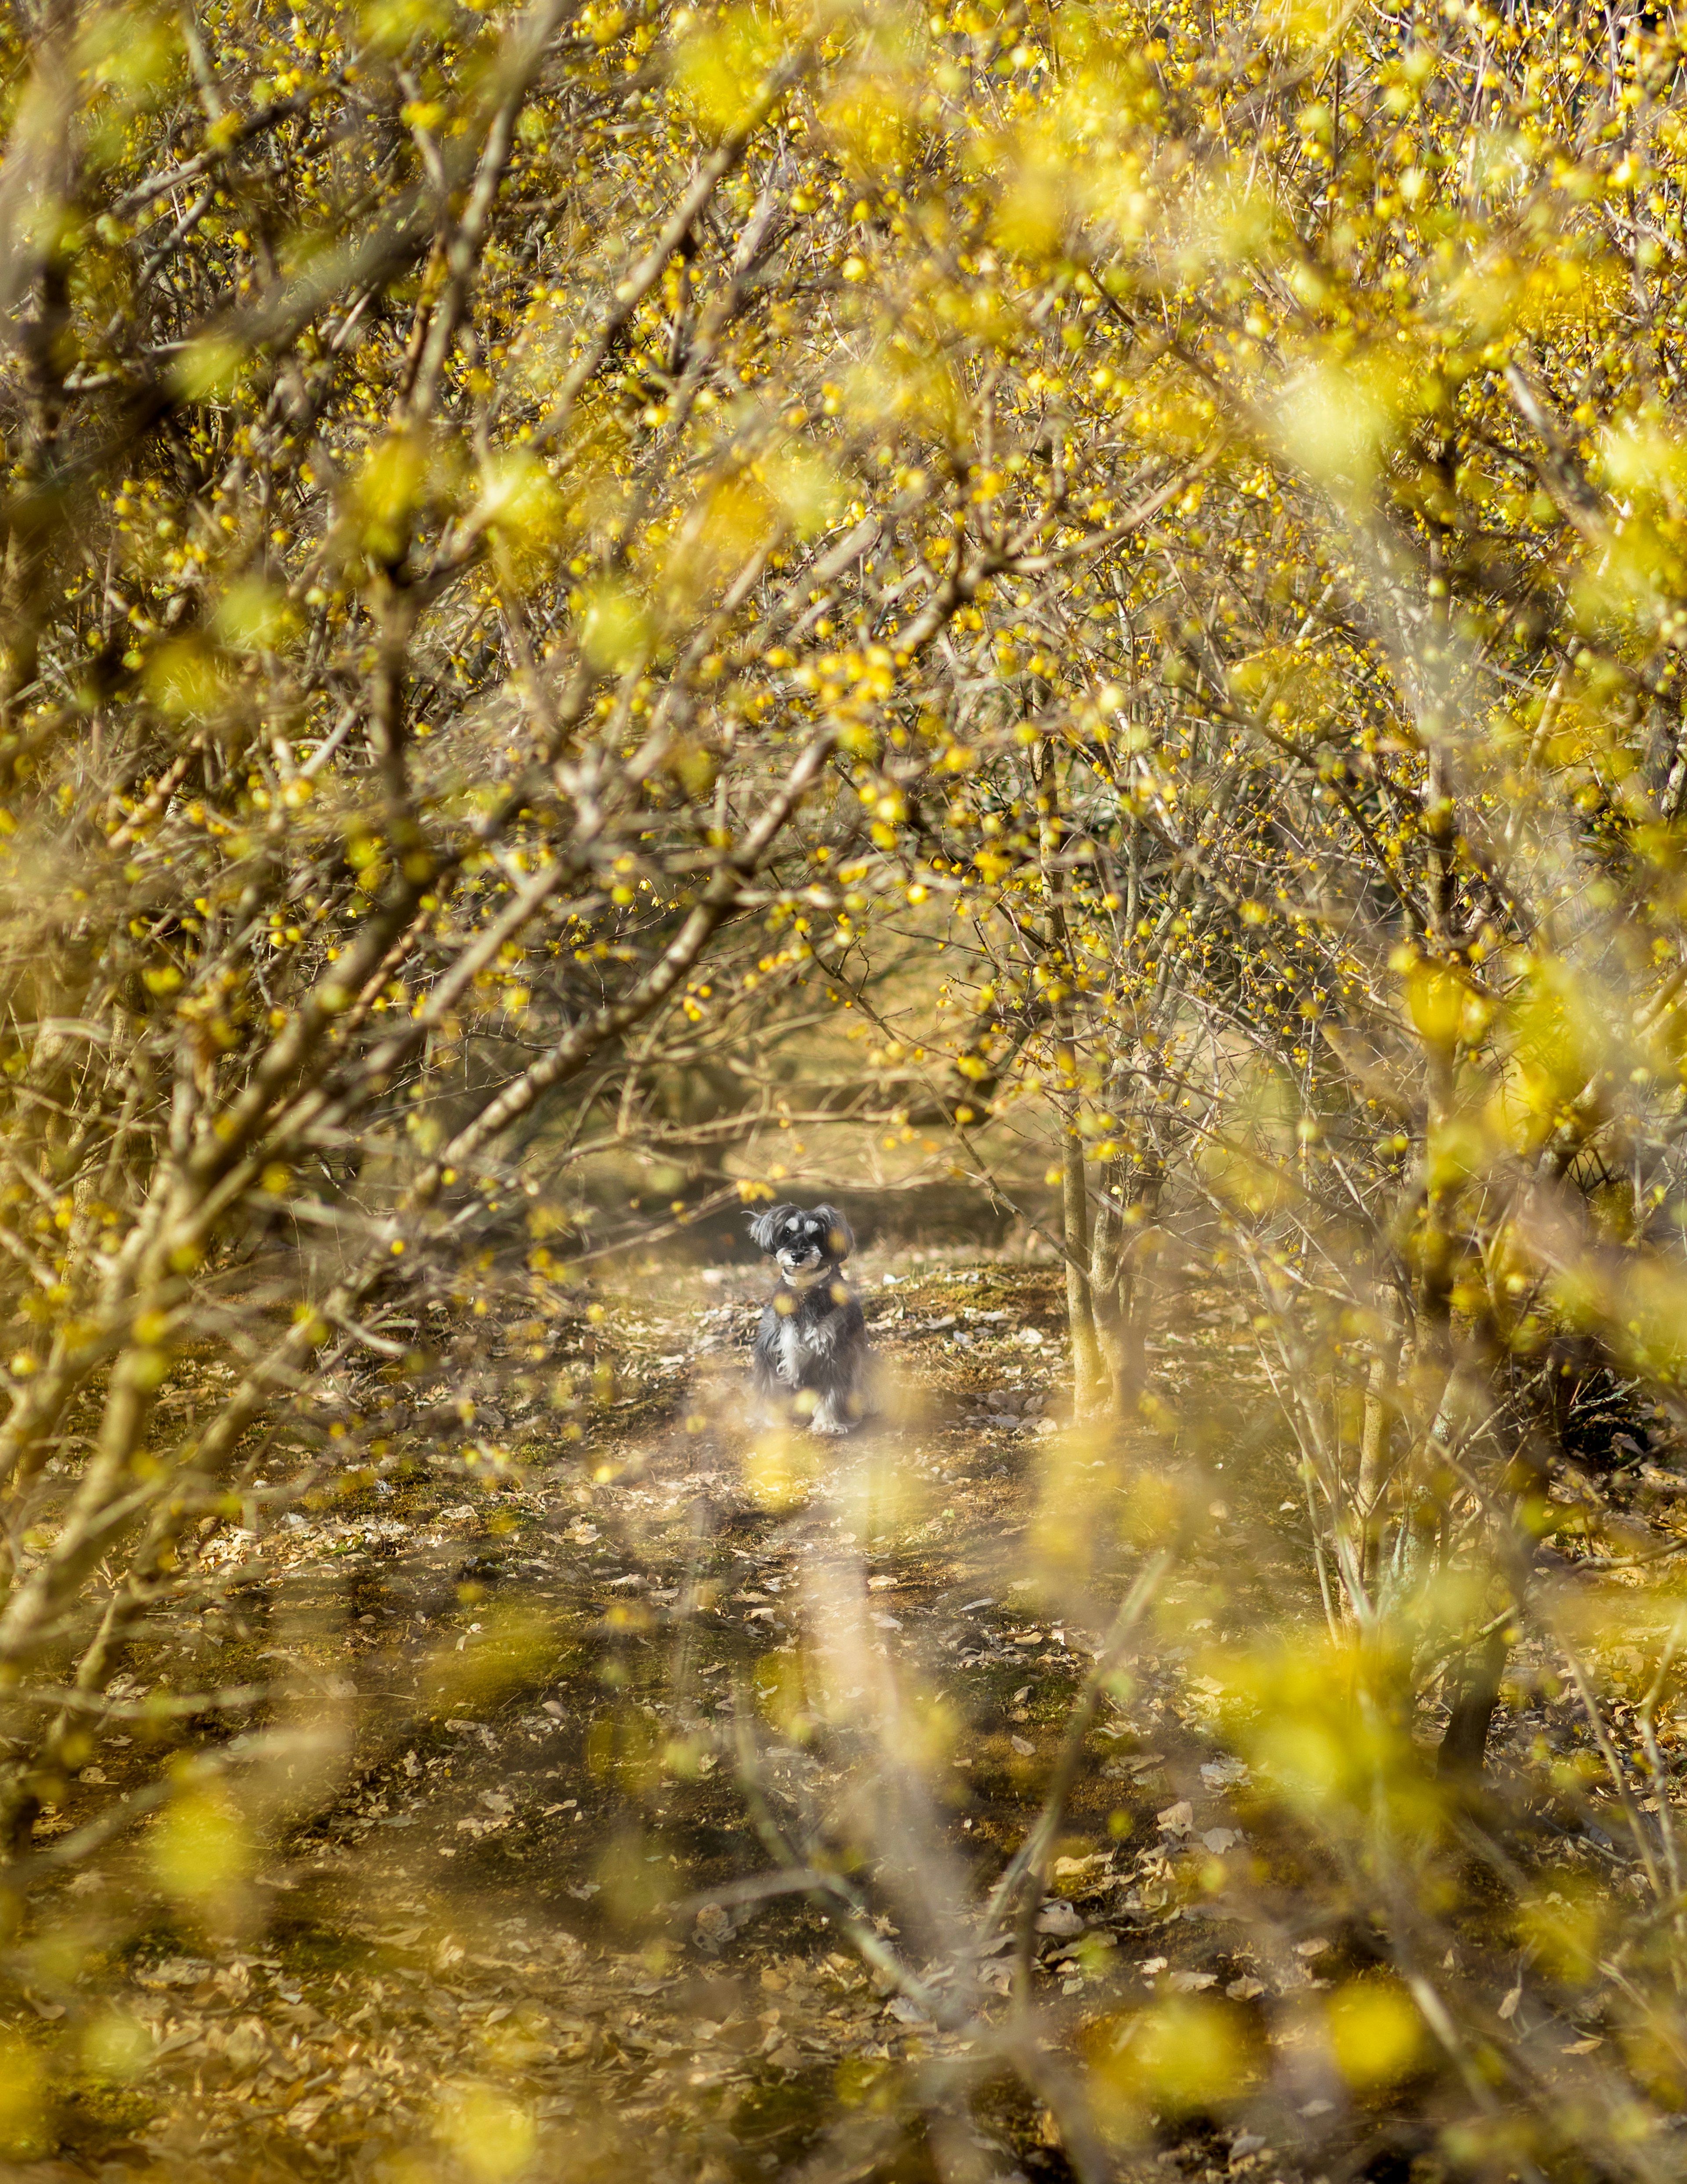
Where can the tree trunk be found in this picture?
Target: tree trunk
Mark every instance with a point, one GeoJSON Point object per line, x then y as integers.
{"type": "Point", "coordinates": [1090, 1379]}
{"type": "Point", "coordinates": [1375, 1452]}
{"type": "Point", "coordinates": [1464, 1745]}
{"type": "Point", "coordinates": [1121, 1275]}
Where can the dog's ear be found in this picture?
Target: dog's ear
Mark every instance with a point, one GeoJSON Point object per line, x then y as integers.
{"type": "Point", "coordinates": [840, 1237]}
{"type": "Point", "coordinates": [765, 1227]}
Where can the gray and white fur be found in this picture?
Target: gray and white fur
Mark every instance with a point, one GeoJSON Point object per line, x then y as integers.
{"type": "Point", "coordinates": [811, 1354]}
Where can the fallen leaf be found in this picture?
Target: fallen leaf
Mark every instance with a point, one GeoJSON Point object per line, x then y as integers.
{"type": "Point", "coordinates": [245, 2042]}
{"type": "Point", "coordinates": [174, 1971]}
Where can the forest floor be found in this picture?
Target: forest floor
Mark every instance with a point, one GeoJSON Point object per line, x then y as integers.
{"type": "Point", "coordinates": [514, 1942]}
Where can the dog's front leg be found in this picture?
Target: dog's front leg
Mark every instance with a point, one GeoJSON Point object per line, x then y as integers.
{"type": "Point", "coordinates": [827, 1419]}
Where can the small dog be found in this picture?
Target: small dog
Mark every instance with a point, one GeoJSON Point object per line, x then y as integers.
{"type": "Point", "coordinates": [811, 1347]}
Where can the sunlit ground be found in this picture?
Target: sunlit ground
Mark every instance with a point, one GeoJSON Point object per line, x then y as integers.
{"type": "Point", "coordinates": [562, 1716]}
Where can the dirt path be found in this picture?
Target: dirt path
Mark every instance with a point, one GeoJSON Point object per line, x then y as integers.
{"type": "Point", "coordinates": [521, 1934]}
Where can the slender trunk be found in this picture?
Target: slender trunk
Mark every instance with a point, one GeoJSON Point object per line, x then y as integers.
{"type": "Point", "coordinates": [1127, 1359]}
{"type": "Point", "coordinates": [1375, 1453]}
{"type": "Point", "coordinates": [1464, 1744]}
{"type": "Point", "coordinates": [1090, 1379]}
{"type": "Point", "coordinates": [1476, 1693]}
{"type": "Point", "coordinates": [1121, 1275]}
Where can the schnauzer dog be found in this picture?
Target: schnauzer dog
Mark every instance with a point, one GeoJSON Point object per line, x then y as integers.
{"type": "Point", "coordinates": [811, 1352]}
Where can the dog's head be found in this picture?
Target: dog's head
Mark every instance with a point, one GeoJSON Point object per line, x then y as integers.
{"type": "Point", "coordinates": [805, 1244]}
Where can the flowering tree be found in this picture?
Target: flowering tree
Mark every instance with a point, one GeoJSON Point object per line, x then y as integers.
{"type": "Point", "coordinates": [1135, 553]}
